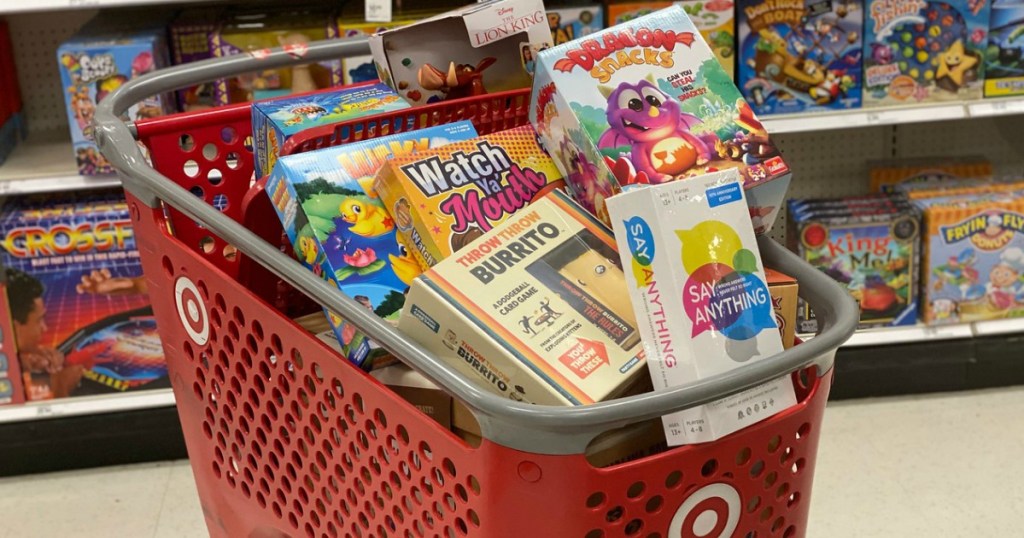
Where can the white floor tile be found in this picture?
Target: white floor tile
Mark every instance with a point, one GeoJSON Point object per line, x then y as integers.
{"type": "Point", "coordinates": [939, 465]}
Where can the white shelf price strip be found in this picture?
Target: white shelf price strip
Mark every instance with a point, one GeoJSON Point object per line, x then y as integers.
{"type": "Point", "coordinates": [87, 405]}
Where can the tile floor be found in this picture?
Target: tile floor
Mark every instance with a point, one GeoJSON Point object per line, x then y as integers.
{"type": "Point", "coordinates": [945, 465]}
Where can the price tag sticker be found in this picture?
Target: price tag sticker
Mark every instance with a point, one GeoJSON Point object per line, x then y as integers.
{"type": "Point", "coordinates": [83, 3]}
{"type": "Point", "coordinates": [378, 10]}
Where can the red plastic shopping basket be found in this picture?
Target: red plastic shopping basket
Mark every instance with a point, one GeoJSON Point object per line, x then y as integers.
{"type": "Point", "coordinates": [286, 438]}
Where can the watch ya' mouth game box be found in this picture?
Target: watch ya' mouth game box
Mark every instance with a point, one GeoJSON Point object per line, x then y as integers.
{"type": "Point", "coordinates": [444, 198]}
{"type": "Point", "coordinates": [646, 102]}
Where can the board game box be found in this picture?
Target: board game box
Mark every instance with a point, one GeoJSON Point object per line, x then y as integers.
{"type": "Point", "coordinates": [783, 289]}
{"type": "Point", "coordinates": [476, 49]}
{"type": "Point", "coordinates": [534, 309]}
{"type": "Point", "coordinates": [341, 230]}
{"type": "Point", "coordinates": [646, 102]}
{"type": "Point", "coordinates": [973, 257]}
{"type": "Point", "coordinates": [714, 18]}
{"type": "Point", "coordinates": [276, 121]}
{"type": "Point", "coordinates": [1004, 56]}
{"type": "Point", "coordinates": [82, 320]}
{"type": "Point", "coordinates": [702, 304]}
{"type": "Point", "coordinates": [918, 50]}
{"type": "Point", "coordinates": [444, 198]}
{"type": "Point", "coordinates": [884, 175]}
{"type": "Point", "coordinates": [101, 57]}
{"type": "Point", "coordinates": [255, 32]}
{"type": "Point", "coordinates": [190, 42]}
{"type": "Point", "coordinates": [875, 253]}
{"type": "Point", "coordinates": [573, 22]}
{"type": "Point", "coordinates": [800, 55]}
{"type": "Point", "coordinates": [11, 391]}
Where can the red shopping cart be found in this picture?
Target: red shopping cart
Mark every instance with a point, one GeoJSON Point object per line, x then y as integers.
{"type": "Point", "coordinates": [286, 438]}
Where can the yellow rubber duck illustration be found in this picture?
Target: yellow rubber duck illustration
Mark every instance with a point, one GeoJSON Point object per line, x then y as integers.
{"type": "Point", "coordinates": [405, 266]}
{"type": "Point", "coordinates": [367, 219]}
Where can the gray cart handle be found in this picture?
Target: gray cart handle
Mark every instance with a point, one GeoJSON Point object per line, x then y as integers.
{"type": "Point", "coordinates": [532, 428]}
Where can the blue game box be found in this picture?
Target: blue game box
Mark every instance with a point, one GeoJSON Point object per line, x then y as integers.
{"type": "Point", "coordinates": [340, 229]}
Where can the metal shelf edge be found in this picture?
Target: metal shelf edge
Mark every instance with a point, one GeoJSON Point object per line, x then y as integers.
{"type": "Point", "coordinates": [30, 6]}
{"type": "Point", "coordinates": [86, 405]}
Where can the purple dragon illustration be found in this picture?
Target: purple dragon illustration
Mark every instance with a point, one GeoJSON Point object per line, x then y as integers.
{"type": "Point", "coordinates": [641, 116]}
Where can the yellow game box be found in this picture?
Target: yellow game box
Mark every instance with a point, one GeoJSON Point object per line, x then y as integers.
{"type": "Point", "coordinates": [445, 197]}
{"type": "Point", "coordinates": [536, 309]}
{"type": "Point", "coordinates": [885, 175]}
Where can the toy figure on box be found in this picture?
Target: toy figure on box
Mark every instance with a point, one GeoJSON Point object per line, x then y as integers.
{"type": "Point", "coordinates": [646, 102]}
{"type": "Point", "coordinates": [474, 50]}
{"type": "Point", "coordinates": [800, 56]}
{"type": "Point", "coordinates": [924, 51]}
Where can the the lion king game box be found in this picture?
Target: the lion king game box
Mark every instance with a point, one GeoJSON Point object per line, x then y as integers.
{"type": "Point", "coordinates": [340, 229]}
{"type": "Point", "coordinates": [646, 102]}
{"type": "Point", "coordinates": [81, 315]}
{"type": "Point", "coordinates": [536, 309]}
{"type": "Point", "coordinates": [800, 55]}
{"type": "Point", "coordinates": [445, 197]}
{"type": "Point", "coordinates": [915, 50]}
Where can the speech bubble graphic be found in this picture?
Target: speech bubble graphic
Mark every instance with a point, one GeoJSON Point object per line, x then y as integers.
{"type": "Point", "coordinates": [640, 240]}
{"type": "Point", "coordinates": [741, 350]}
{"type": "Point", "coordinates": [711, 241]}
{"type": "Point", "coordinates": [698, 293]}
{"type": "Point", "coordinates": [757, 314]}
{"type": "Point", "coordinates": [744, 261]}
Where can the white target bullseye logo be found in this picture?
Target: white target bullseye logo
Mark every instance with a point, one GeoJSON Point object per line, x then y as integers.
{"type": "Point", "coordinates": [712, 511]}
{"type": "Point", "coordinates": [192, 310]}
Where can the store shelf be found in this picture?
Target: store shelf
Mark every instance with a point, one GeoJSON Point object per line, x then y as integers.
{"type": "Point", "coordinates": [87, 405]}
{"type": "Point", "coordinates": [999, 327]}
{"type": "Point", "coordinates": [796, 123]}
{"type": "Point", "coordinates": [44, 163]}
{"type": "Point", "coordinates": [922, 333]}
{"type": "Point", "coordinates": [24, 6]}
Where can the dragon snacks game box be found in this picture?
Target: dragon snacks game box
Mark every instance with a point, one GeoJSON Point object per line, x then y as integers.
{"type": "Point", "coordinates": [79, 307]}
{"type": "Point", "coordinates": [800, 55]}
{"type": "Point", "coordinates": [276, 121]}
{"type": "Point", "coordinates": [646, 102]}
{"type": "Point", "coordinates": [535, 309]}
{"type": "Point", "coordinates": [444, 198]}
{"type": "Point", "coordinates": [340, 229]}
{"type": "Point", "coordinates": [918, 50]}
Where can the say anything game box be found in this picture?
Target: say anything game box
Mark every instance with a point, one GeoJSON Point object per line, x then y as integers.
{"type": "Point", "coordinates": [702, 304]}
{"type": "Point", "coordinates": [82, 319]}
{"type": "Point", "coordinates": [646, 102]}
{"type": "Point", "coordinates": [535, 309]}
